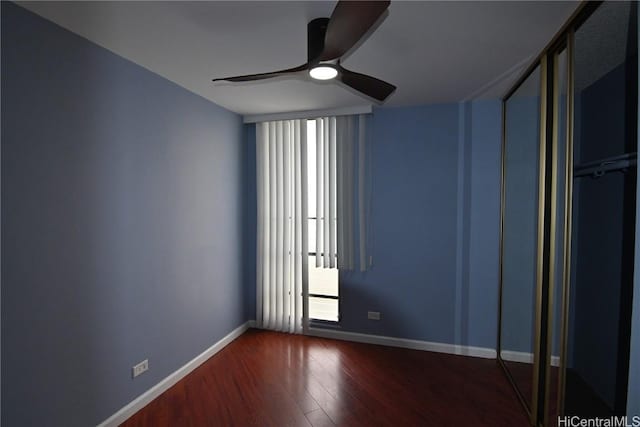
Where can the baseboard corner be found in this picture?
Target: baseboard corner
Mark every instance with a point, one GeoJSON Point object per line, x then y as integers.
{"type": "Point", "coordinates": [462, 350]}
{"type": "Point", "coordinates": [145, 398]}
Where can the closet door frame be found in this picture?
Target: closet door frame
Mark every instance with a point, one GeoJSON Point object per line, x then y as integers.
{"type": "Point", "coordinates": [530, 407]}
{"type": "Point", "coordinates": [584, 14]}
{"type": "Point", "coordinates": [624, 321]}
{"type": "Point", "coordinates": [562, 44]}
{"type": "Point", "coordinates": [548, 180]}
{"type": "Point", "coordinates": [566, 238]}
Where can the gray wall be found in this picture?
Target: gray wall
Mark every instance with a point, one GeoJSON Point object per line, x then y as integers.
{"type": "Point", "coordinates": [121, 226]}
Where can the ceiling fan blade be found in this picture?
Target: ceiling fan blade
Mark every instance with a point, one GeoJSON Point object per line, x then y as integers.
{"type": "Point", "coordinates": [261, 76]}
{"type": "Point", "coordinates": [350, 21]}
{"type": "Point", "coordinates": [370, 86]}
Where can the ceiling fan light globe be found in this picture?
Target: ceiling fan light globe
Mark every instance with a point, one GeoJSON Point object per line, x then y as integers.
{"type": "Point", "coordinates": [323, 72]}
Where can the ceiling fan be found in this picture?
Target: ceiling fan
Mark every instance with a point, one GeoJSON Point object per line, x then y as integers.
{"type": "Point", "coordinates": [328, 40]}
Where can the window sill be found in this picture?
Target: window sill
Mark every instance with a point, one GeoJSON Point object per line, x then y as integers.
{"type": "Point", "coordinates": [324, 324]}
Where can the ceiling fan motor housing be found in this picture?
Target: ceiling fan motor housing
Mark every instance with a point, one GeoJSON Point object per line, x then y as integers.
{"type": "Point", "coordinates": [316, 30]}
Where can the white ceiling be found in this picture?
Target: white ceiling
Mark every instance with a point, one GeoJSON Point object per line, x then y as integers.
{"type": "Point", "coordinates": [434, 52]}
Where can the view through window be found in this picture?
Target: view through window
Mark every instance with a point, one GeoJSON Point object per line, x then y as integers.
{"type": "Point", "coordinates": [323, 282]}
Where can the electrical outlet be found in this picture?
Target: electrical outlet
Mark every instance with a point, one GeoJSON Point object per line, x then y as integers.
{"type": "Point", "coordinates": [140, 368]}
{"type": "Point", "coordinates": [373, 315]}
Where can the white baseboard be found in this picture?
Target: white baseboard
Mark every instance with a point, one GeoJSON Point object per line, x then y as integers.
{"type": "Point", "coordinates": [522, 357]}
{"type": "Point", "coordinates": [516, 356]}
{"type": "Point", "coordinates": [144, 399]}
{"type": "Point", "coordinates": [486, 353]}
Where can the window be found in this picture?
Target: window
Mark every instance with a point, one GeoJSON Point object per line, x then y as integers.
{"type": "Point", "coordinates": [323, 282]}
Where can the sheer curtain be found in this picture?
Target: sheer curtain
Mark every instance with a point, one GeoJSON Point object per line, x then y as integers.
{"type": "Point", "coordinates": [341, 193]}
{"type": "Point", "coordinates": [282, 220]}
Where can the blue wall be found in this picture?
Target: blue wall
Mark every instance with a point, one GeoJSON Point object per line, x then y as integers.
{"type": "Point", "coordinates": [435, 222]}
{"type": "Point", "coordinates": [435, 226]}
{"type": "Point", "coordinates": [520, 234]}
{"type": "Point", "coordinates": [250, 222]}
{"type": "Point", "coordinates": [484, 225]}
{"type": "Point", "coordinates": [414, 228]}
{"type": "Point", "coordinates": [122, 201]}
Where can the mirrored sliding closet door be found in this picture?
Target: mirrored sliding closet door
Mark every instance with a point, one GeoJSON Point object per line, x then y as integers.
{"type": "Point", "coordinates": [603, 212]}
{"type": "Point", "coordinates": [569, 182]}
{"type": "Point", "coordinates": [520, 236]}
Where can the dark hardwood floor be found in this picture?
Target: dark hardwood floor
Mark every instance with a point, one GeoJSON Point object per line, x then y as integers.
{"type": "Point", "coordinates": [273, 379]}
{"type": "Point", "coordinates": [522, 374]}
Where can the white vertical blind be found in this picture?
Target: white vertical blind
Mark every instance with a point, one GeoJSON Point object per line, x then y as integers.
{"type": "Point", "coordinates": [326, 193]}
{"type": "Point", "coordinates": [346, 191]}
{"type": "Point", "coordinates": [364, 194]}
{"type": "Point", "coordinates": [340, 151]}
{"type": "Point", "coordinates": [281, 240]}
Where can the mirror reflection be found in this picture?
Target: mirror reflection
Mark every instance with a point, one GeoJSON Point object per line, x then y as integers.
{"type": "Point", "coordinates": [520, 233]}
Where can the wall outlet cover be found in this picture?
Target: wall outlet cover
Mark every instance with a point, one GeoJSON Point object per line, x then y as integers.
{"type": "Point", "coordinates": [373, 315]}
{"type": "Point", "coordinates": [140, 368]}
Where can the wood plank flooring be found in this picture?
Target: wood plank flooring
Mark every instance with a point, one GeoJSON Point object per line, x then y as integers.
{"type": "Point", "coordinates": [272, 379]}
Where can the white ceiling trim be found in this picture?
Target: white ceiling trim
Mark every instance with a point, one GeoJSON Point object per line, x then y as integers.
{"type": "Point", "coordinates": [309, 114]}
{"type": "Point", "coordinates": [503, 81]}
